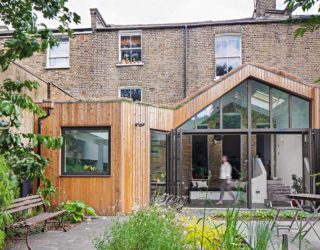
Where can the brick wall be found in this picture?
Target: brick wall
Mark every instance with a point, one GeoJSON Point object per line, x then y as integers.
{"type": "Point", "coordinates": [94, 72]}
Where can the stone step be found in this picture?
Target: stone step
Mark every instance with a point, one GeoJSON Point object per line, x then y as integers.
{"type": "Point", "coordinates": [275, 182]}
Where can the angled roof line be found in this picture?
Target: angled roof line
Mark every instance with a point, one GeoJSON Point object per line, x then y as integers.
{"type": "Point", "coordinates": [41, 79]}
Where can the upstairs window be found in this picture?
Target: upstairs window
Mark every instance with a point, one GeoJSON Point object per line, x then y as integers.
{"type": "Point", "coordinates": [131, 92]}
{"type": "Point", "coordinates": [59, 56]}
{"type": "Point", "coordinates": [228, 53]}
{"type": "Point", "coordinates": [130, 48]}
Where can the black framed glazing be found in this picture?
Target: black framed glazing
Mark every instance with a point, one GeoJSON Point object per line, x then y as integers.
{"type": "Point", "coordinates": [89, 167]}
{"type": "Point", "coordinates": [192, 122]}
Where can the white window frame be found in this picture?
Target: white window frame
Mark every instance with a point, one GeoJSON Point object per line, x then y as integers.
{"type": "Point", "coordinates": [48, 56]}
{"type": "Point", "coordinates": [226, 57]}
{"type": "Point", "coordinates": [130, 33]}
{"type": "Point", "coordinates": [130, 87]}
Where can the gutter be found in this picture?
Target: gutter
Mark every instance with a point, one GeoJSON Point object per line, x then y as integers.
{"type": "Point", "coordinates": [185, 75]}
{"type": "Point", "coordinates": [40, 122]}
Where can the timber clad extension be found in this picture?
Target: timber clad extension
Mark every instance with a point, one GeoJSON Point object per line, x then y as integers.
{"type": "Point", "coordinates": [128, 185]}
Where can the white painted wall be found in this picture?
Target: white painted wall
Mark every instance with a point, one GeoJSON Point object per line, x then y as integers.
{"type": "Point", "coordinates": [289, 157]}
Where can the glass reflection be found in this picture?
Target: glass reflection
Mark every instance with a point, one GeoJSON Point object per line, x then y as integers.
{"type": "Point", "coordinates": [235, 108]}
{"type": "Point", "coordinates": [280, 109]}
{"type": "Point", "coordinates": [260, 105]}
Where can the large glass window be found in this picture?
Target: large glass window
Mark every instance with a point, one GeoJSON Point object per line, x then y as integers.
{"type": "Point", "coordinates": [299, 113]}
{"type": "Point", "coordinates": [59, 56]}
{"type": "Point", "coordinates": [228, 53]}
{"type": "Point", "coordinates": [260, 105]}
{"type": "Point", "coordinates": [130, 48]}
{"type": "Point", "coordinates": [235, 108]}
{"type": "Point", "coordinates": [280, 109]}
{"type": "Point", "coordinates": [86, 151]}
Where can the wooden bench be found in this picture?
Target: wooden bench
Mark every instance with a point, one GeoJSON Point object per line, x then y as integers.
{"type": "Point", "coordinates": [31, 202]}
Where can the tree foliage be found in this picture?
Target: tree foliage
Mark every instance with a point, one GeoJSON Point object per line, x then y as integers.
{"type": "Point", "coordinates": [21, 161]}
{"type": "Point", "coordinates": [309, 24]}
{"type": "Point", "coordinates": [29, 37]}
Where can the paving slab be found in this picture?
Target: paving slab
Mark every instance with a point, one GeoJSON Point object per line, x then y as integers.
{"type": "Point", "coordinates": [78, 237]}
{"type": "Point", "coordinates": [81, 237]}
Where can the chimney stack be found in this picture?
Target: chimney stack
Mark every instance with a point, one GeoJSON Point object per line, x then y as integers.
{"type": "Point", "coordinates": [97, 20]}
{"type": "Point", "coordinates": [268, 9]}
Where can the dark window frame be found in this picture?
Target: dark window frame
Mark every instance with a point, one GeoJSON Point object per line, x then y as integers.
{"type": "Point", "coordinates": [85, 174]}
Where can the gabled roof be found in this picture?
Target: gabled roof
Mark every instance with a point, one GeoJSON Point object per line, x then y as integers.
{"type": "Point", "coordinates": [272, 76]}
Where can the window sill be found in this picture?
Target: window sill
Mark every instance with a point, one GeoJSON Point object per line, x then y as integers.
{"type": "Point", "coordinates": [55, 68]}
{"type": "Point", "coordinates": [85, 175]}
{"type": "Point", "coordinates": [129, 64]}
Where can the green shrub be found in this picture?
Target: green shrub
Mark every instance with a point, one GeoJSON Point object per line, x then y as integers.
{"type": "Point", "coordinates": [8, 190]}
{"type": "Point", "coordinates": [76, 210]}
{"type": "Point", "coordinates": [149, 228]}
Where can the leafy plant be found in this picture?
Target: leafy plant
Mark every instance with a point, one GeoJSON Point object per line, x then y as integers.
{"type": "Point", "coordinates": [297, 184]}
{"type": "Point", "coordinates": [233, 237]}
{"type": "Point", "coordinates": [260, 235]}
{"type": "Point", "coordinates": [207, 236]}
{"type": "Point", "coordinates": [307, 25]}
{"type": "Point", "coordinates": [149, 228]}
{"type": "Point", "coordinates": [89, 168]}
{"type": "Point", "coordinates": [76, 210]}
{"type": "Point", "coordinates": [8, 191]}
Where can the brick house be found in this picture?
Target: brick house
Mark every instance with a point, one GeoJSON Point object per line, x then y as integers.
{"type": "Point", "coordinates": [239, 87]}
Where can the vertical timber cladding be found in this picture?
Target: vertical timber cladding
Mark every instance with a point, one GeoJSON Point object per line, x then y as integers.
{"type": "Point", "coordinates": [128, 185]}
{"type": "Point", "coordinates": [316, 108]}
{"type": "Point", "coordinates": [137, 148]}
{"type": "Point", "coordinates": [102, 193]}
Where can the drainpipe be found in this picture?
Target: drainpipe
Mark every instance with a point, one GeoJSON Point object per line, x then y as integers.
{"type": "Point", "coordinates": [40, 121]}
{"type": "Point", "coordinates": [185, 83]}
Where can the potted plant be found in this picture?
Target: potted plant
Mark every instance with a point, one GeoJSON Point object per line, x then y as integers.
{"type": "Point", "coordinates": [297, 186]}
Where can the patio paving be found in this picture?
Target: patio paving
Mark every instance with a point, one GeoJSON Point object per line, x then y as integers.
{"type": "Point", "coordinates": [81, 236]}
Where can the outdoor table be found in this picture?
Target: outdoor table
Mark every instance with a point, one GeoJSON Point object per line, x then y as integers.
{"type": "Point", "coordinates": [313, 218]}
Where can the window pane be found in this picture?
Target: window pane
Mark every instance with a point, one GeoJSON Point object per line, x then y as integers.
{"type": "Point", "coordinates": [209, 117]}
{"type": "Point", "coordinates": [280, 109]}
{"type": "Point", "coordinates": [59, 62]}
{"type": "Point", "coordinates": [136, 55]}
{"type": "Point", "coordinates": [158, 163]}
{"type": "Point", "coordinates": [136, 42]}
{"type": "Point", "coordinates": [136, 94]}
{"type": "Point", "coordinates": [300, 112]}
{"type": "Point", "coordinates": [221, 67]}
{"type": "Point", "coordinates": [260, 105]}
{"type": "Point", "coordinates": [125, 41]}
{"type": "Point", "coordinates": [125, 93]}
{"type": "Point", "coordinates": [234, 46]}
{"type": "Point", "coordinates": [190, 124]}
{"type": "Point", "coordinates": [235, 108]}
{"type": "Point", "coordinates": [199, 157]}
{"type": "Point", "coordinates": [221, 46]}
{"type": "Point", "coordinates": [126, 56]}
{"type": "Point", "coordinates": [86, 151]}
{"type": "Point", "coordinates": [233, 63]}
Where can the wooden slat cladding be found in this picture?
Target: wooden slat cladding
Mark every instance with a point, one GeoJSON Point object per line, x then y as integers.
{"type": "Point", "coordinates": [217, 90]}
{"type": "Point", "coordinates": [128, 184]}
{"type": "Point", "coordinates": [316, 108]}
